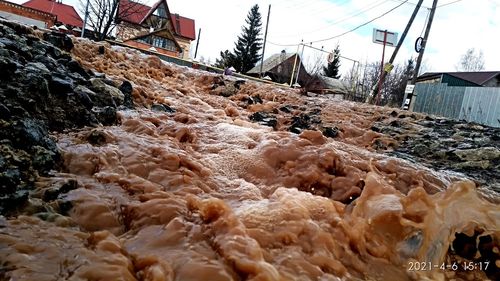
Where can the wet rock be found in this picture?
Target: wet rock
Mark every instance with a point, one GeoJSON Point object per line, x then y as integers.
{"type": "Point", "coordinates": [60, 40]}
{"type": "Point", "coordinates": [84, 94]}
{"type": "Point", "coordinates": [330, 132]}
{"type": "Point", "coordinates": [60, 86]}
{"type": "Point", "coordinates": [76, 67]}
{"type": "Point", "coordinates": [53, 192]}
{"type": "Point", "coordinates": [162, 107]}
{"type": "Point", "coordinates": [105, 115]}
{"type": "Point", "coordinates": [264, 119]}
{"type": "Point", "coordinates": [126, 89]}
{"type": "Point", "coordinates": [101, 50]}
{"type": "Point", "coordinates": [4, 112]}
{"type": "Point", "coordinates": [478, 154]}
{"type": "Point", "coordinates": [7, 68]}
{"type": "Point", "coordinates": [106, 94]}
{"type": "Point", "coordinates": [300, 122]}
{"type": "Point", "coordinates": [96, 137]}
{"type": "Point", "coordinates": [285, 109]}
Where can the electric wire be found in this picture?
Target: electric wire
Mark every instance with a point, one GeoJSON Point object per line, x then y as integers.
{"type": "Point", "coordinates": [444, 5]}
{"type": "Point", "coordinates": [361, 25]}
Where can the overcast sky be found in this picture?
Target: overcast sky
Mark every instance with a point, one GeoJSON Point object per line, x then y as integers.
{"type": "Point", "coordinates": [457, 26]}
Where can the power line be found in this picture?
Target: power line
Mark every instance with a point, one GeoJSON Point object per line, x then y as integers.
{"type": "Point", "coordinates": [282, 45]}
{"type": "Point", "coordinates": [452, 2]}
{"type": "Point", "coordinates": [352, 14]}
{"type": "Point", "coordinates": [359, 26]}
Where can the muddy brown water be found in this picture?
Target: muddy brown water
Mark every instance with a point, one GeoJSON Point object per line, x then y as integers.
{"type": "Point", "coordinates": [203, 193]}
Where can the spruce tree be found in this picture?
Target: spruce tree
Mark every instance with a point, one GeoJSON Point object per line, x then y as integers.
{"type": "Point", "coordinates": [332, 69]}
{"type": "Point", "coordinates": [226, 59]}
{"type": "Point", "coordinates": [246, 51]}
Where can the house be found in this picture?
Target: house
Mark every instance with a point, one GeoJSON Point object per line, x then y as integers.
{"type": "Point", "coordinates": [279, 67]}
{"type": "Point", "coordinates": [155, 27]}
{"type": "Point", "coordinates": [65, 14]}
{"type": "Point", "coordinates": [326, 85]}
{"type": "Point", "coordinates": [29, 16]}
{"type": "Point", "coordinates": [463, 79]}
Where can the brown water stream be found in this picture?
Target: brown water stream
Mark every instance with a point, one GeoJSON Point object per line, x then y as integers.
{"type": "Point", "coordinates": [202, 193]}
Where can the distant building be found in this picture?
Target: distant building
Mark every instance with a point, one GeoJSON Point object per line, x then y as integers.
{"type": "Point", "coordinates": [65, 14]}
{"type": "Point", "coordinates": [26, 15]}
{"type": "Point", "coordinates": [279, 68]}
{"type": "Point", "coordinates": [326, 85]}
{"type": "Point", "coordinates": [463, 79]}
{"type": "Point", "coordinates": [154, 28]}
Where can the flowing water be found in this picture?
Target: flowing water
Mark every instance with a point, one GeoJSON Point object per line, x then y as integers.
{"type": "Point", "coordinates": [203, 193]}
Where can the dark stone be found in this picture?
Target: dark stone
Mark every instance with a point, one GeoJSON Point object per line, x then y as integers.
{"type": "Point", "coordinates": [60, 40]}
{"type": "Point", "coordinates": [43, 159]}
{"type": "Point", "coordinates": [126, 88]}
{"type": "Point", "coordinates": [258, 116]}
{"type": "Point", "coordinates": [96, 137]}
{"type": "Point", "coordinates": [84, 98]}
{"type": "Point", "coordinates": [101, 50]}
{"type": "Point", "coordinates": [330, 132]}
{"type": "Point", "coordinates": [53, 192]}
{"type": "Point", "coordinates": [285, 109]}
{"type": "Point", "coordinates": [13, 201]}
{"type": "Point", "coordinates": [76, 67]}
{"type": "Point", "coordinates": [4, 112]}
{"type": "Point", "coordinates": [60, 86]}
{"type": "Point", "coordinates": [162, 107]}
{"type": "Point", "coordinates": [7, 68]}
{"type": "Point", "coordinates": [395, 123]}
{"type": "Point", "coordinates": [302, 121]}
{"type": "Point", "coordinates": [465, 246]}
{"type": "Point", "coordinates": [264, 119]}
{"type": "Point", "coordinates": [29, 132]}
{"type": "Point", "coordinates": [238, 83]}
{"type": "Point", "coordinates": [106, 115]}
{"type": "Point", "coordinates": [375, 129]}
{"type": "Point", "coordinates": [257, 99]}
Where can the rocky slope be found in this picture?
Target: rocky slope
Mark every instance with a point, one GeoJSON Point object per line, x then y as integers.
{"type": "Point", "coordinates": [117, 166]}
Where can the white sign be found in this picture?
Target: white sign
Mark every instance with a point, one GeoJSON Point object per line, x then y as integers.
{"type": "Point", "coordinates": [390, 40]}
{"type": "Point", "coordinates": [409, 89]}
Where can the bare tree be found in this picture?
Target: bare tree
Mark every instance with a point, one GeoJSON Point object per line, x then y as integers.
{"type": "Point", "coordinates": [471, 61]}
{"type": "Point", "coordinates": [392, 90]}
{"type": "Point", "coordinates": [104, 15]}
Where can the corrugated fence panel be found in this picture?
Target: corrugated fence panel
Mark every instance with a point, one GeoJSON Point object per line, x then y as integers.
{"type": "Point", "coordinates": [481, 105]}
{"type": "Point", "coordinates": [439, 99]}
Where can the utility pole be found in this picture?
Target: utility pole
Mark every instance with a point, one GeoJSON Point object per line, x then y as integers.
{"type": "Point", "coordinates": [265, 38]}
{"type": "Point", "coordinates": [85, 17]}
{"type": "Point", "coordinates": [393, 57]}
{"type": "Point", "coordinates": [295, 63]}
{"type": "Point", "coordinates": [300, 63]}
{"type": "Point", "coordinates": [197, 43]}
{"type": "Point", "coordinates": [424, 42]}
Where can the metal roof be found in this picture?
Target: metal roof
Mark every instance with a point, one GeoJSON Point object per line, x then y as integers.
{"type": "Point", "coordinates": [477, 77]}
{"type": "Point", "coordinates": [271, 62]}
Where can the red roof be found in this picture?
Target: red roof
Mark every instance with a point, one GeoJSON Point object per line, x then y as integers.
{"type": "Point", "coordinates": [136, 13]}
{"type": "Point", "coordinates": [132, 12]}
{"type": "Point", "coordinates": [185, 28]}
{"type": "Point", "coordinates": [65, 13]}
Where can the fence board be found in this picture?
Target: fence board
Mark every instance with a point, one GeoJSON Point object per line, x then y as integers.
{"type": "Point", "coordinates": [474, 104]}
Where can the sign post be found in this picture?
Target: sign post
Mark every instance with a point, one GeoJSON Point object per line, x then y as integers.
{"type": "Point", "coordinates": [383, 37]}
{"type": "Point", "coordinates": [408, 96]}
